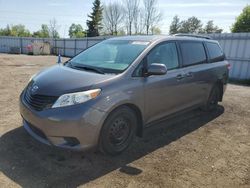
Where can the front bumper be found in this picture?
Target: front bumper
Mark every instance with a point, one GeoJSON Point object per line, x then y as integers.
{"type": "Point", "coordinates": [74, 127]}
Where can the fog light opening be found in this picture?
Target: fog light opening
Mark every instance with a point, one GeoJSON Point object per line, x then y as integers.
{"type": "Point", "coordinates": [71, 141]}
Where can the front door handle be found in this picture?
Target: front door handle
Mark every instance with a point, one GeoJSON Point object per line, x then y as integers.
{"type": "Point", "coordinates": [180, 76]}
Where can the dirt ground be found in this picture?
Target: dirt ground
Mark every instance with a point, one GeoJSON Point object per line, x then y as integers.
{"type": "Point", "coordinates": [196, 149]}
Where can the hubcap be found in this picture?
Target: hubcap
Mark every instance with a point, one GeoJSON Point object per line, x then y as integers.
{"type": "Point", "coordinates": [119, 131]}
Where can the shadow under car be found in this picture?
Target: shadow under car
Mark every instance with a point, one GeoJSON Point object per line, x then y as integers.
{"type": "Point", "coordinates": [31, 164]}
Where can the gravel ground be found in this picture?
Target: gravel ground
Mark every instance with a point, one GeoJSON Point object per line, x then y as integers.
{"type": "Point", "coordinates": [196, 149]}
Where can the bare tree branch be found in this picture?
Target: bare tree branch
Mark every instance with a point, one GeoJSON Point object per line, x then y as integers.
{"type": "Point", "coordinates": [113, 14]}
{"type": "Point", "coordinates": [53, 28]}
{"type": "Point", "coordinates": [152, 15]}
{"type": "Point", "coordinates": [131, 11]}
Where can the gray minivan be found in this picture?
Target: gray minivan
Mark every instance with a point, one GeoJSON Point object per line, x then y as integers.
{"type": "Point", "coordinates": [112, 91]}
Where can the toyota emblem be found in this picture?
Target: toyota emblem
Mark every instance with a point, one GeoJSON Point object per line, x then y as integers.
{"type": "Point", "coordinates": [34, 88]}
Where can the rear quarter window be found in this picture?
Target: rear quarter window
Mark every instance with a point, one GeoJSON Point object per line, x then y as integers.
{"type": "Point", "coordinates": [215, 52]}
{"type": "Point", "coordinates": [192, 53]}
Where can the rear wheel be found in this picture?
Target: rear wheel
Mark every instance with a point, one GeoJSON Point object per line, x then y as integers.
{"type": "Point", "coordinates": [118, 131]}
{"type": "Point", "coordinates": [213, 99]}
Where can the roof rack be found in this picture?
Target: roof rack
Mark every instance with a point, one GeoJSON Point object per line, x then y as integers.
{"type": "Point", "coordinates": [192, 35]}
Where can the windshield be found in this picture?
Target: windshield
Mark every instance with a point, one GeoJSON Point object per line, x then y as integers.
{"type": "Point", "coordinates": [111, 56]}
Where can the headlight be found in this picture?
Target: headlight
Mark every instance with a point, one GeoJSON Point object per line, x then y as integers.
{"type": "Point", "coordinates": [32, 77]}
{"type": "Point", "coordinates": [76, 98]}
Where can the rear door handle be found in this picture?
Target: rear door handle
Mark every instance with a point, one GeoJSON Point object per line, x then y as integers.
{"type": "Point", "coordinates": [180, 76]}
{"type": "Point", "coordinates": [189, 74]}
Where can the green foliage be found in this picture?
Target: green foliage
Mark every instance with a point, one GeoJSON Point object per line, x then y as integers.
{"type": "Point", "coordinates": [211, 28]}
{"type": "Point", "coordinates": [192, 25]}
{"type": "Point", "coordinates": [43, 32]}
{"type": "Point", "coordinates": [242, 23]}
{"type": "Point", "coordinates": [156, 30]}
{"type": "Point", "coordinates": [54, 34]}
{"type": "Point", "coordinates": [6, 31]}
{"type": "Point", "coordinates": [15, 30]}
{"type": "Point", "coordinates": [95, 22]}
{"type": "Point", "coordinates": [175, 25]}
{"type": "Point", "coordinates": [76, 31]}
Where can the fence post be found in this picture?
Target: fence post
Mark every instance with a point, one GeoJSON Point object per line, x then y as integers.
{"type": "Point", "coordinates": [87, 44]}
{"type": "Point", "coordinates": [55, 47]}
{"type": "Point", "coordinates": [75, 48]}
{"type": "Point", "coordinates": [64, 46]}
{"type": "Point", "coordinates": [21, 45]}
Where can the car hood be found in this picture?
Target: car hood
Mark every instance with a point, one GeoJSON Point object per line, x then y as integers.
{"type": "Point", "coordinates": [59, 80]}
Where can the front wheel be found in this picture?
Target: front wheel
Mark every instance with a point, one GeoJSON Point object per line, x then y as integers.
{"type": "Point", "coordinates": [118, 131]}
{"type": "Point", "coordinates": [213, 99]}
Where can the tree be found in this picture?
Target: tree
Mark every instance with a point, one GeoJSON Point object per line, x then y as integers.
{"type": "Point", "coordinates": [6, 31]}
{"type": "Point", "coordinates": [152, 16]}
{"type": "Point", "coordinates": [121, 32]}
{"type": "Point", "coordinates": [20, 31]}
{"type": "Point", "coordinates": [95, 22]}
{"type": "Point", "coordinates": [16, 31]}
{"type": "Point", "coordinates": [211, 28]}
{"type": "Point", "coordinates": [137, 19]}
{"type": "Point", "coordinates": [191, 25]}
{"type": "Point", "coordinates": [139, 22]}
{"type": "Point", "coordinates": [112, 17]}
{"type": "Point", "coordinates": [53, 29]}
{"type": "Point", "coordinates": [131, 13]}
{"type": "Point", "coordinates": [156, 31]}
{"type": "Point", "coordinates": [43, 32]}
{"type": "Point", "coordinates": [242, 23]}
{"type": "Point", "coordinates": [175, 25]}
{"type": "Point", "coordinates": [76, 31]}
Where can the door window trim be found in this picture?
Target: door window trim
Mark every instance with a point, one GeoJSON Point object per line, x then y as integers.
{"type": "Point", "coordinates": [144, 60]}
{"type": "Point", "coordinates": [217, 59]}
{"type": "Point", "coordinates": [198, 63]}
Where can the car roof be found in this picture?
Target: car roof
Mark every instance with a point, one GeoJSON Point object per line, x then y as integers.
{"type": "Point", "coordinates": [153, 38]}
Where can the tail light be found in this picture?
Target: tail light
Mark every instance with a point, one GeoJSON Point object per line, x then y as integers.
{"type": "Point", "coordinates": [228, 66]}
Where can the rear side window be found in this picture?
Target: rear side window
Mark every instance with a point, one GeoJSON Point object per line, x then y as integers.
{"type": "Point", "coordinates": [215, 52]}
{"type": "Point", "coordinates": [193, 53]}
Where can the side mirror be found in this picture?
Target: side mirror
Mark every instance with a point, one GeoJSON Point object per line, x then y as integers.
{"type": "Point", "coordinates": [156, 69]}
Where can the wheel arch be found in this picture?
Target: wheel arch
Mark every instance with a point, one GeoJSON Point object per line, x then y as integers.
{"type": "Point", "coordinates": [220, 85]}
{"type": "Point", "coordinates": [136, 110]}
{"type": "Point", "coordinates": [139, 128]}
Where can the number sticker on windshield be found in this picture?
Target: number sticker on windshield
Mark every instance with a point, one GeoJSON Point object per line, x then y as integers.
{"type": "Point", "coordinates": [140, 43]}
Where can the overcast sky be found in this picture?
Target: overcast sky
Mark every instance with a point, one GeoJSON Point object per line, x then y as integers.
{"type": "Point", "coordinates": [33, 13]}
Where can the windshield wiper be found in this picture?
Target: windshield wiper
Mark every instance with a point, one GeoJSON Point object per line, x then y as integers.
{"type": "Point", "coordinates": [94, 69]}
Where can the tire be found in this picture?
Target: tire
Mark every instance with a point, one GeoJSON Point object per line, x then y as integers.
{"type": "Point", "coordinates": [213, 99]}
{"type": "Point", "coordinates": [118, 131]}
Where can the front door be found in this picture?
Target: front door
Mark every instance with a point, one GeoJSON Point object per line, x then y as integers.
{"type": "Point", "coordinates": [164, 94]}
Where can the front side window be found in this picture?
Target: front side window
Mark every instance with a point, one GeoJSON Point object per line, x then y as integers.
{"type": "Point", "coordinates": [193, 53]}
{"type": "Point", "coordinates": [215, 52]}
{"type": "Point", "coordinates": [164, 54]}
{"type": "Point", "coordinates": [111, 56]}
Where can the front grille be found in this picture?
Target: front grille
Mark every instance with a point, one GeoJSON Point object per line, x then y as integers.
{"type": "Point", "coordinates": [38, 102]}
{"type": "Point", "coordinates": [37, 131]}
